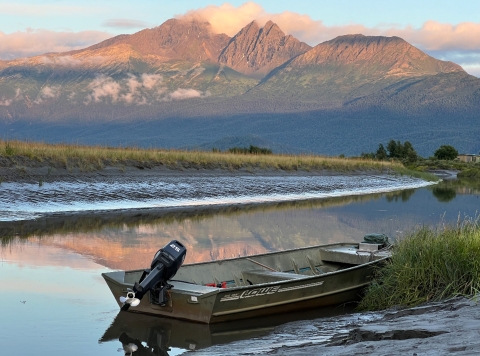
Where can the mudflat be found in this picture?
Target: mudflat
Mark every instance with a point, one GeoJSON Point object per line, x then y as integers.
{"type": "Point", "coordinates": [451, 327]}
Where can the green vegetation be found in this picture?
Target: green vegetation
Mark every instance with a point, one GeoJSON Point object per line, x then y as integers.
{"type": "Point", "coordinates": [253, 150]}
{"type": "Point", "coordinates": [472, 173]}
{"type": "Point", "coordinates": [96, 157]}
{"type": "Point", "coordinates": [428, 265]}
{"type": "Point", "coordinates": [446, 152]}
{"type": "Point", "coordinates": [395, 150]}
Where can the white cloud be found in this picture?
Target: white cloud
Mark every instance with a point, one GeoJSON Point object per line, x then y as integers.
{"type": "Point", "coordinates": [432, 35]}
{"type": "Point", "coordinates": [34, 42]}
{"type": "Point", "coordinates": [103, 87]}
{"type": "Point", "coordinates": [182, 94]}
{"type": "Point", "coordinates": [50, 92]}
{"type": "Point", "coordinates": [7, 102]}
{"type": "Point", "coordinates": [151, 80]}
{"type": "Point", "coordinates": [46, 10]}
{"type": "Point", "coordinates": [130, 90]}
{"type": "Point", "coordinates": [125, 23]}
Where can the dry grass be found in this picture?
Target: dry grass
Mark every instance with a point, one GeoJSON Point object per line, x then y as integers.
{"type": "Point", "coordinates": [97, 157]}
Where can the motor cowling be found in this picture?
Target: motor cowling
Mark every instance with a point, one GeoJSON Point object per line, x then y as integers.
{"type": "Point", "coordinates": [164, 266]}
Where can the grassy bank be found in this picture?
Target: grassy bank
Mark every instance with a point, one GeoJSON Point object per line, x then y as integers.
{"type": "Point", "coordinates": [429, 265]}
{"type": "Point", "coordinates": [89, 158]}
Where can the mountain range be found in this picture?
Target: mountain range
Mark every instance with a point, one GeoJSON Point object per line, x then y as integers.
{"type": "Point", "coordinates": [182, 85]}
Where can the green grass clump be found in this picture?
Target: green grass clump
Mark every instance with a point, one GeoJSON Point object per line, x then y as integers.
{"type": "Point", "coordinates": [428, 265]}
{"type": "Point", "coordinates": [470, 173]}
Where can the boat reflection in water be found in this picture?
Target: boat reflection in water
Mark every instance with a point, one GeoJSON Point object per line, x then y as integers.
{"type": "Point", "coordinates": [141, 334]}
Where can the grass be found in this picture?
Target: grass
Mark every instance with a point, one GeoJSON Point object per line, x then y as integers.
{"type": "Point", "coordinates": [97, 157]}
{"type": "Point", "coordinates": [428, 265]}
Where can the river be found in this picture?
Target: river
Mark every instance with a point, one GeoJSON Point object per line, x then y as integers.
{"type": "Point", "coordinates": [57, 240]}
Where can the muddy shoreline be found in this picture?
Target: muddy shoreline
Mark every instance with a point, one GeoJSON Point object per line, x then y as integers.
{"type": "Point", "coordinates": [24, 170]}
{"type": "Point", "coordinates": [450, 327]}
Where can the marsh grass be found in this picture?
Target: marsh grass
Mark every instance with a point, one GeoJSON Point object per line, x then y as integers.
{"type": "Point", "coordinates": [428, 265]}
{"type": "Point", "coordinates": [97, 157]}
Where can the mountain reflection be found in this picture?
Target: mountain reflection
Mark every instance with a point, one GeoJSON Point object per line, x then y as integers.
{"type": "Point", "coordinates": [129, 240]}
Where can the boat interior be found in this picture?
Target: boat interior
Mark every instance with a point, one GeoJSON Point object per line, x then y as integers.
{"type": "Point", "coordinates": [271, 267]}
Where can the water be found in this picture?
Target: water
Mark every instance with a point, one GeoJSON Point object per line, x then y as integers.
{"type": "Point", "coordinates": [55, 301]}
{"type": "Point", "coordinates": [25, 201]}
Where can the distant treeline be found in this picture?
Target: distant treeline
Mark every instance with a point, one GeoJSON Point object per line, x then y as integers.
{"type": "Point", "coordinates": [395, 149]}
{"type": "Point", "coordinates": [252, 150]}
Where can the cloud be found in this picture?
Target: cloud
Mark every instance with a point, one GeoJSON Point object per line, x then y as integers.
{"type": "Point", "coordinates": [125, 23]}
{"type": "Point", "coordinates": [432, 35]}
{"type": "Point", "coordinates": [34, 42]}
{"type": "Point", "coordinates": [130, 90]}
{"type": "Point", "coordinates": [182, 94]}
{"type": "Point", "coordinates": [50, 92]}
{"type": "Point", "coordinates": [47, 92]}
{"type": "Point", "coordinates": [7, 102]}
{"type": "Point", "coordinates": [103, 87]}
{"type": "Point", "coordinates": [66, 61]}
{"type": "Point", "coordinates": [151, 80]}
{"type": "Point", "coordinates": [46, 10]}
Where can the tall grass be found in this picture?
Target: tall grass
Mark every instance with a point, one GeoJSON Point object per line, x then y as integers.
{"type": "Point", "coordinates": [96, 157]}
{"type": "Point", "coordinates": [428, 265]}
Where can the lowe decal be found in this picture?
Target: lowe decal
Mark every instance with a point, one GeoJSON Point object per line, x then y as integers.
{"type": "Point", "coordinates": [265, 291]}
{"type": "Point", "coordinates": [250, 293]}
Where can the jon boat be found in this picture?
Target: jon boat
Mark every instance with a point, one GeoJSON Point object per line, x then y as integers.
{"type": "Point", "coordinates": [258, 285]}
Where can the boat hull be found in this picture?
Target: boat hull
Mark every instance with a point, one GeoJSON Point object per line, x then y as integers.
{"type": "Point", "coordinates": [200, 303]}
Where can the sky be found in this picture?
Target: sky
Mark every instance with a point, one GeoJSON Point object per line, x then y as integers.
{"type": "Point", "coordinates": [447, 30]}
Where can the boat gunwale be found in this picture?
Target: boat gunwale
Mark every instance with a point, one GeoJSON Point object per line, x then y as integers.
{"type": "Point", "coordinates": [214, 290]}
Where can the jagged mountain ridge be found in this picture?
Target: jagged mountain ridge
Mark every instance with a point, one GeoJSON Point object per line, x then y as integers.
{"type": "Point", "coordinates": [255, 51]}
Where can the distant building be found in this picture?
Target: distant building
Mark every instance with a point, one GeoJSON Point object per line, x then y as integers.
{"type": "Point", "coordinates": [465, 157]}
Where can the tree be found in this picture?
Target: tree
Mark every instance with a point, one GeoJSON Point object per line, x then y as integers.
{"type": "Point", "coordinates": [446, 152]}
{"type": "Point", "coordinates": [409, 153]}
{"type": "Point", "coordinates": [381, 152]}
{"type": "Point", "coordinates": [395, 149]}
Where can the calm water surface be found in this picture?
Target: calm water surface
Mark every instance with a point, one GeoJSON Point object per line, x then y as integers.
{"type": "Point", "coordinates": [56, 303]}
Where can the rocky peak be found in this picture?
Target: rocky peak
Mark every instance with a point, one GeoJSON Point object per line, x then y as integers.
{"type": "Point", "coordinates": [383, 55]}
{"type": "Point", "coordinates": [174, 39]}
{"type": "Point", "coordinates": [255, 51]}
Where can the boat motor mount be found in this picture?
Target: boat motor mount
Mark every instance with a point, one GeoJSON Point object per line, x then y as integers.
{"type": "Point", "coordinates": [164, 266]}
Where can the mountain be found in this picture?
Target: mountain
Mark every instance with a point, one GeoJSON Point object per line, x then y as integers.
{"type": "Point", "coordinates": [255, 51]}
{"type": "Point", "coordinates": [173, 40]}
{"type": "Point", "coordinates": [349, 67]}
{"type": "Point", "coordinates": [181, 85]}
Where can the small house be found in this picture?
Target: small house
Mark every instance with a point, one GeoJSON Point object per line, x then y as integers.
{"type": "Point", "coordinates": [466, 157]}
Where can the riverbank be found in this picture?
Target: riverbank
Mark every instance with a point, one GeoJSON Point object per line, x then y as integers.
{"type": "Point", "coordinates": [446, 328]}
{"type": "Point", "coordinates": [41, 162]}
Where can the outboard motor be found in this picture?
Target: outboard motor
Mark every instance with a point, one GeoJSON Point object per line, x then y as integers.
{"type": "Point", "coordinates": [165, 265]}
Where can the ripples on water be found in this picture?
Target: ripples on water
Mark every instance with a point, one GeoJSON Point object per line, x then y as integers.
{"type": "Point", "coordinates": [22, 201]}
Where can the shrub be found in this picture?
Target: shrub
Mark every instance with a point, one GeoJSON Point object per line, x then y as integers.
{"type": "Point", "coordinates": [446, 152]}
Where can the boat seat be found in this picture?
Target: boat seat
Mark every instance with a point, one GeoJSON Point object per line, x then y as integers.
{"type": "Point", "coordinates": [261, 276]}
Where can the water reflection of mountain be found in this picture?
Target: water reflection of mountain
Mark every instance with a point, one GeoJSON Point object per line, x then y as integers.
{"type": "Point", "coordinates": [90, 222]}
{"type": "Point", "coordinates": [156, 336]}
{"type": "Point", "coordinates": [128, 241]}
